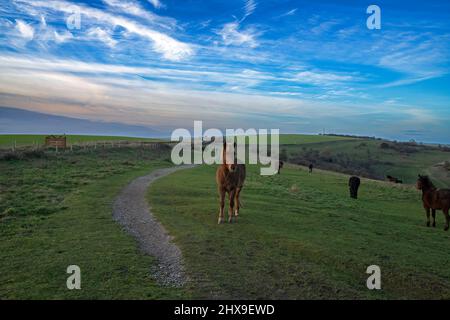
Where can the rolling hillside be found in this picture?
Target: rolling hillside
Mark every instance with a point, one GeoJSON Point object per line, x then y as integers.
{"type": "Point", "coordinates": [374, 158]}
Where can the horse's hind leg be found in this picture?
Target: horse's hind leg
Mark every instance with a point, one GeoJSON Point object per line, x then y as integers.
{"type": "Point", "coordinates": [222, 205]}
{"type": "Point", "coordinates": [231, 209]}
{"type": "Point", "coordinates": [433, 214]}
{"type": "Point", "coordinates": [447, 219]}
{"type": "Point", "coordinates": [427, 210]}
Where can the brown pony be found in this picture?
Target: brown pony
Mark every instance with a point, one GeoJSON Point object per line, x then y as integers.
{"type": "Point", "coordinates": [230, 177]}
{"type": "Point", "coordinates": [434, 199]}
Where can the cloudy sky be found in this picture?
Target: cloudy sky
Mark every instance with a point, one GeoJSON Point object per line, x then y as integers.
{"type": "Point", "coordinates": [300, 66]}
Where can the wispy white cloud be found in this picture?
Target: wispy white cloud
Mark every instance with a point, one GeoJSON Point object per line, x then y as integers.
{"type": "Point", "coordinates": [156, 3]}
{"type": "Point", "coordinates": [232, 35]}
{"type": "Point", "coordinates": [168, 47]}
{"type": "Point", "coordinates": [130, 7]}
{"type": "Point", "coordinates": [322, 78]}
{"type": "Point", "coordinates": [62, 37]}
{"type": "Point", "coordinates": [324, 27]}
{"type": "Point", "coordinates": [134, 8]}
{"type": "Point", "coordinates": [409, 80]}
{"type": "Point", "coordinates": [25, 30]}
{"type": "Point", "coordinates": [249, 8]}
{"type": "Point", "coordinates": [417, 56]}
{"type": "Point", "coordinates": [288, 13]}
{"type": "Point", "coordinates": [102, 35]}
{"type": "Point", "coordinates": [48, 34]}
{"type": "Point", "coordinates": [244, 78]}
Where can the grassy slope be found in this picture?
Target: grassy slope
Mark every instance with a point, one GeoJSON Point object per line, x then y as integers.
{"type": "Point", "coordinates": [7, 140]}
{"type": "Point", "coordinates": [300, 236]}
{"type": "Point", "coordinates": [388, 162]}
{"type": "Point", "coordinates": [56, 212]}
{"type": "Point", "coordinates": [306, 139]}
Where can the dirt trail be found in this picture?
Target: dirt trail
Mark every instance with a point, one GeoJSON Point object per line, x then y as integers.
{"type": "Point", "coordinates": [131, 210]}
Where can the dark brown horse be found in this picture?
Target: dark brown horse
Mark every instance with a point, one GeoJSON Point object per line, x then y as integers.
{"type": "Point", "coordinates": [230, 177]}
{"type": "Point", "coordinates": [353, 184]}
{"type": "Point", "coordinates": [434, 199]}
{"type": "Point", "coordinates": [280, 166]}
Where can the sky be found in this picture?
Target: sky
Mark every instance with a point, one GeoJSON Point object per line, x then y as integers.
{"type": "Point", "coordinates": [297, 66]}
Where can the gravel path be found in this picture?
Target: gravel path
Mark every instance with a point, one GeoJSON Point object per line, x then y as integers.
{"type": "Point", "coordinates": [132, 211]}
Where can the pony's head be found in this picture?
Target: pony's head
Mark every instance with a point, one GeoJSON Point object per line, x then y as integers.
{"type": "Point", "coordinates": [424, 183]}
{"type": "Point", "coordinates": [229, 155]}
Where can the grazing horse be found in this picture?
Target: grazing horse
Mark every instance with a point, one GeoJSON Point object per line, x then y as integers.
{"type": "Point", "coordinates": [230, 177]}
{"type": "Point", "coordinates": [354, 183]}
{"type": "Point", "coordinates": [434, 199]}
{"type": "Point", "coordinates": [393, 179]}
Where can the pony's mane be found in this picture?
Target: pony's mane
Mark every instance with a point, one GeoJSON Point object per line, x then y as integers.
{"type": "Point", "coordinates": [426, 182]}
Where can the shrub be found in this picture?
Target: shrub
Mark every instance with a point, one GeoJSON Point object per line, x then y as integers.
{"type": "Point", "coordinates": [33, 154]}
{"type": "Point", "coordinates": [9, 156]}
{"type": "Point", "coordinates": [23, 155]}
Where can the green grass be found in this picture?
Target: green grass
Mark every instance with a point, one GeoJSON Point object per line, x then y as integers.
{"type": "Point", "coordinates": [8, 140]}
{"type": "Point", "coordinates": [56, 211]}
{"type": "Point", "coordinates": [301, 236]}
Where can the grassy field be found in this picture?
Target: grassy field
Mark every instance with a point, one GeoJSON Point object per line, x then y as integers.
{"type": "Point", "coordinates": [301, 236]}
{"type": "Point", "coordinates": [55, 211]}
{"type": "Point", "coordinates": [8, 140]}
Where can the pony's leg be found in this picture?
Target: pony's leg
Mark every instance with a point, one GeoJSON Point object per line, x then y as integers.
{"type": "Point", "coordinates": [433, 214]}
{"type": "Point", "coordinates": [427, 210]}
{"type": "Point", "coordinates": [447, 219]}
{"type": "Point", "coordinates": [231, 208]}
{"type": "Point", "coordinates": [222, 205]}
{"type": "Point", "coordinates": [237, 203]}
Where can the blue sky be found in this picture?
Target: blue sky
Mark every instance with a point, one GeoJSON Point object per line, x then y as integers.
{"type": "Point", "coordinates": [300, 66]}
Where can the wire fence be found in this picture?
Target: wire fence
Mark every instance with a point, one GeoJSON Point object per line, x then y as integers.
{"type": "Point", "coordinates": [15, 147]}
